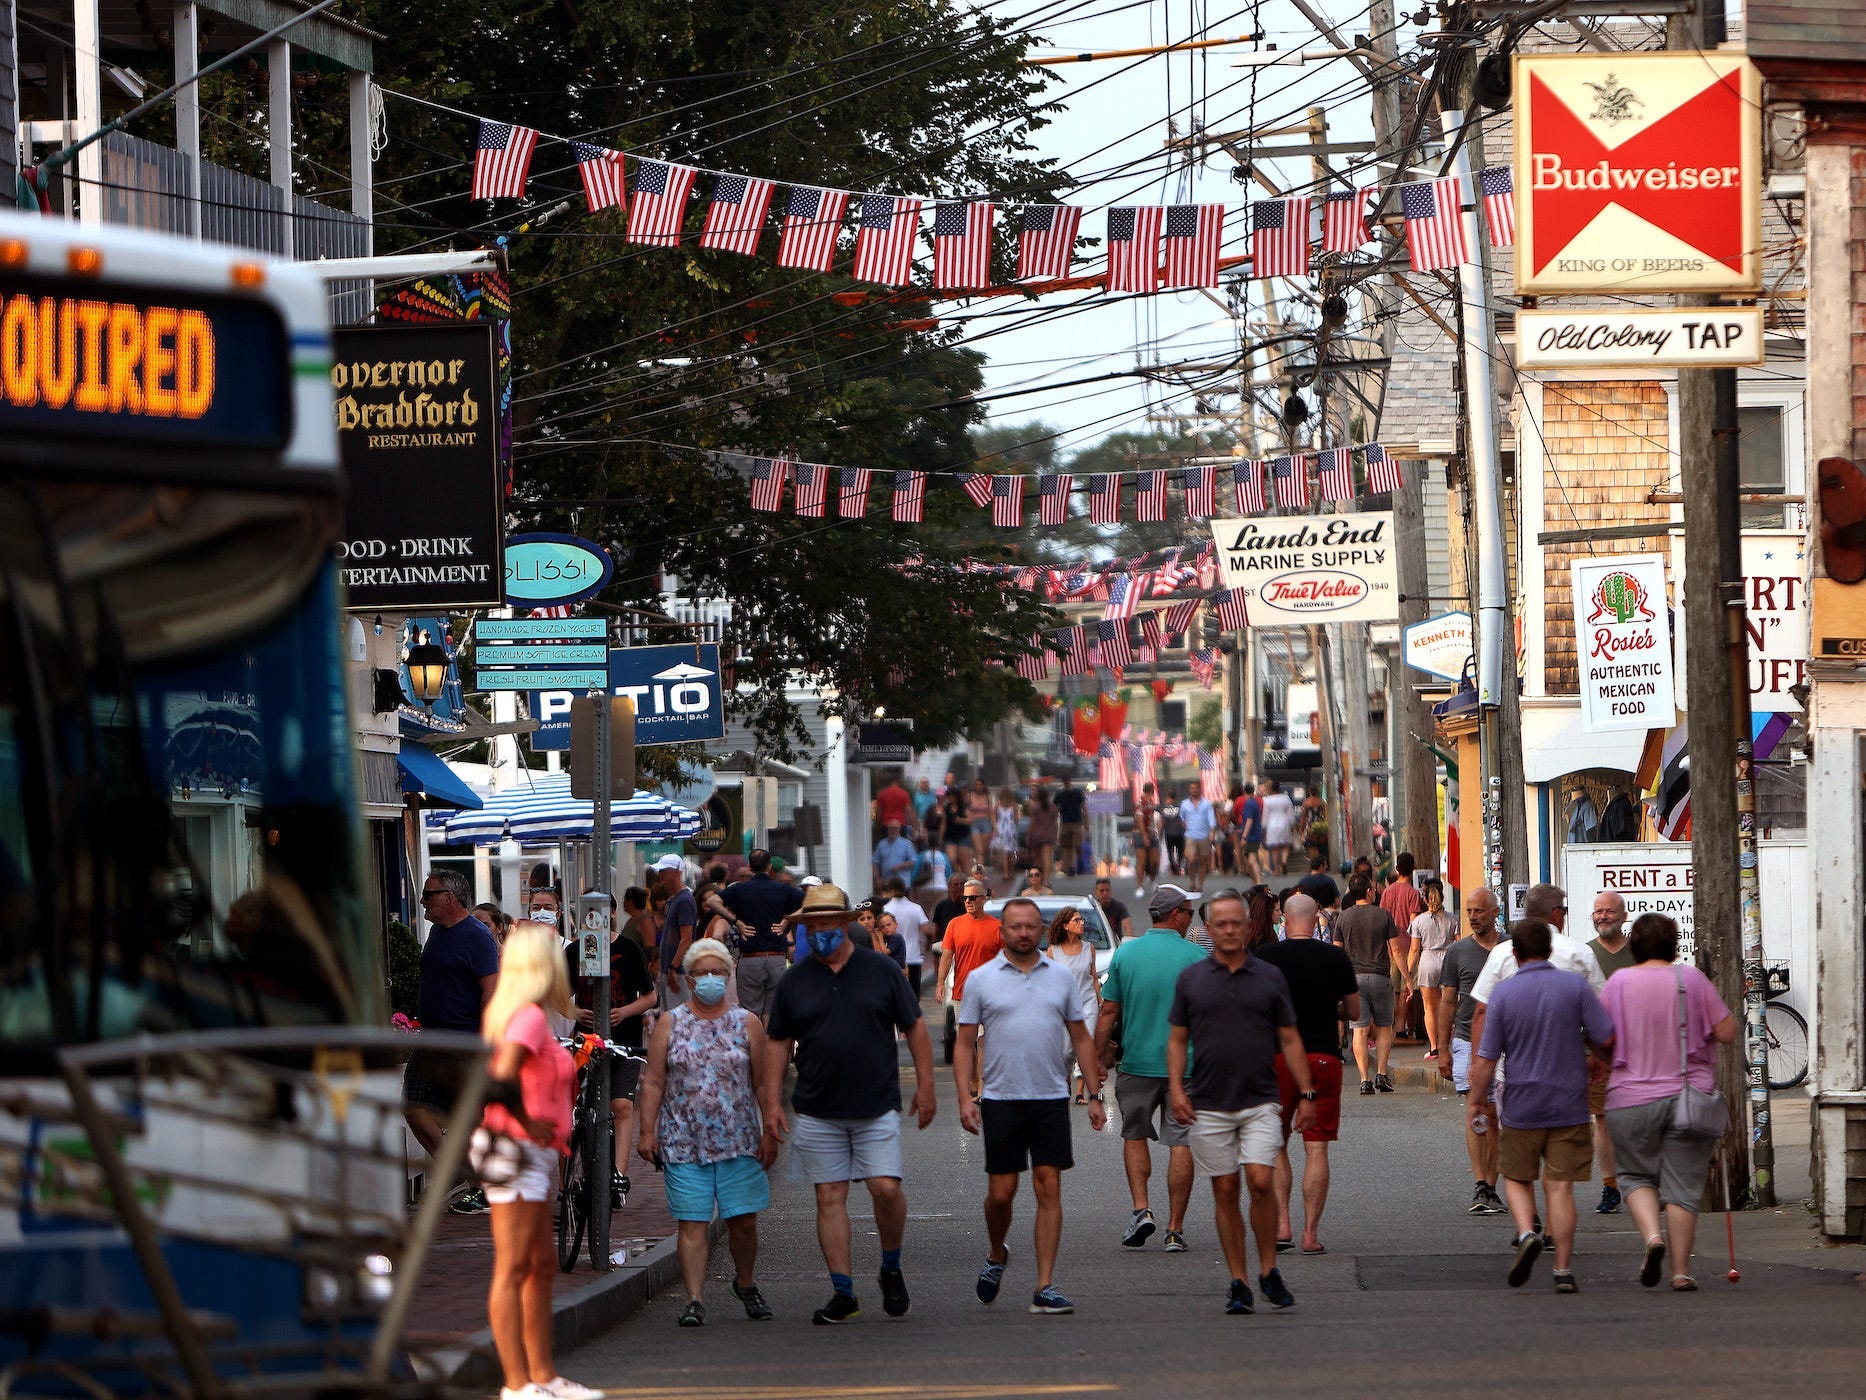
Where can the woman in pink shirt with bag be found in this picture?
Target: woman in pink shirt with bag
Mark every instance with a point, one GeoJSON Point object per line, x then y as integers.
{"type": "Point", "coordinates": [1668, 1022]}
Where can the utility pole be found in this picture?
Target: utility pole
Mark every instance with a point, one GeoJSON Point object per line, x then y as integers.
{"type": "Point", "coordinates": [1725, 896]}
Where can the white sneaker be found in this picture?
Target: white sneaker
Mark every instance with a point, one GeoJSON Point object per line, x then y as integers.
{"type": "Point", "coordinates": [1140, 892]}
{"type": "Point", "coordinates": [532, 1391]}
{"type": "Point", "coordinates": [565, 1389]}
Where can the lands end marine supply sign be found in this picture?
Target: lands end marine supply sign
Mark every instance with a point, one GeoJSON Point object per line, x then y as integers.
{"type": "Point", "coordinates": [418, 425]}
{"type": "Point", "coordinates": [1303, 569]}
{"type": "Point", "coordinates": [1638, 172]}
{"type": "Point", "coordinates": [1623, 642]}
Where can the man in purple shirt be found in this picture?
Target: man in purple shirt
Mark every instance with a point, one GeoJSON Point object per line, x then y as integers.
{"type": "Point", "coordinates": [1545, 1020]}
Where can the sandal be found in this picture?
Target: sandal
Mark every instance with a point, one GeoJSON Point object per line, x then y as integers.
{"type": "Point", "coordinates": [1684, 1283]}
{"type": "Point", "coordinates": [1654, 1262]}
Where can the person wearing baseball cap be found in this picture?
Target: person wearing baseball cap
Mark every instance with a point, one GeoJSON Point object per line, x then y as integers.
{"type": "Point", "coordinates": [668, 877]}
{"type": "Point", "coordinates": [1136, 996]}
{"type": "Point", "coordinates": [839, 1010]}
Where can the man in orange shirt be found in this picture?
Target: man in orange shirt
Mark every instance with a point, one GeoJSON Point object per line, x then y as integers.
{"type": "Point", "coordinates": [971, 940]}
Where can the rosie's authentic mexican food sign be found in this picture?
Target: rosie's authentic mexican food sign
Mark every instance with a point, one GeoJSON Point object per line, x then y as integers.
{"type": "Point", "coordinates": [1638, 172]}
{"type": "Point", "coordinates": [418, 425]}
{"type": "Point", "coordinates": [1295, 570]}
{"type": "Point", "coordinates": [1623, 642]}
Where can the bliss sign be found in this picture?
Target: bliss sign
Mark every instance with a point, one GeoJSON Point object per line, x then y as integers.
{"type": "Point", "coordinates": [1623, 642]}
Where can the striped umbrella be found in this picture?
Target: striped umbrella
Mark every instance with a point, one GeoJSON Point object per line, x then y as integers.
{"type": "Point", "coordinates": [544, 810]}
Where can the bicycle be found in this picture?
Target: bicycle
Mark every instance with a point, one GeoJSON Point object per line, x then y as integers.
{"type": "Point", "coordinates": [1787, 1033]}
{"type": "Point", "coordinates": [580, 1177]}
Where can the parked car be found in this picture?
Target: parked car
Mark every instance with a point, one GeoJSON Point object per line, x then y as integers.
{"type": "Point", "coordinates": [1095, 928]}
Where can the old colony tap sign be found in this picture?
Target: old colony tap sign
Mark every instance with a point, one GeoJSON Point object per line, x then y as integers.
{"type": "Point", "coordinates": [1623, 642]}
{"type": "Point", "coordinates": [1637, 172]}
{"type": "Point", "coordinates": [1302, 569]}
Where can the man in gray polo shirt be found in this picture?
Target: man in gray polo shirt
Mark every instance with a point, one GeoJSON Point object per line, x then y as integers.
{"type": "Point", "coordinates": [1029, 1011]}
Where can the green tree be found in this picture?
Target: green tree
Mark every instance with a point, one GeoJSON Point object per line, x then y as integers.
{"type": "Point", "coordinates": [1207, 726]}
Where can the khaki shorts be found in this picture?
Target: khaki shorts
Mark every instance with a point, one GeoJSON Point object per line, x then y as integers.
{"type": "Point", "coordinates": [1554, 1154]}
{"type": "Point", "coordinates": [1597, 1098]}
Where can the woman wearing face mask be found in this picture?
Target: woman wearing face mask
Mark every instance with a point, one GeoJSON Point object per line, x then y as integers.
{"type": "Point", "coordinates": [708, 1114]}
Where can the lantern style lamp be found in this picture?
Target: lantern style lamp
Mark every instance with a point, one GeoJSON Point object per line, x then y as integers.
{"type": "Point", "coordinates": [427, 671]}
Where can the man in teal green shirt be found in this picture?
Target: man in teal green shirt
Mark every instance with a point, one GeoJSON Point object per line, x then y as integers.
{"type": "Point", "coordinates": [1135, 1000]}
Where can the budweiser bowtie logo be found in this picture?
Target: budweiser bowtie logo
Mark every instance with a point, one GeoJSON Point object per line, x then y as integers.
{"type": "Point", "coordinates": [1637, 173]}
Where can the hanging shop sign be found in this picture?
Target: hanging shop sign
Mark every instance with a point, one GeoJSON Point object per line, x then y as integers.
{"type": "Point", "coordinates": [1623, 642]}
{"type": "Point", "coordinates": [1640, 338]}
{"type": "Point", "coordinates": [1296, 571]}
{"type": "Point", "coordinates": [417, 425]}
{"type": "Point", "coordinates": [1775, 620]}
{"type": "Point", "coordinates": [1440, 646]}
{"type": "Point", "coordinates": [544, 570]}
{"type": "Point", "coordinates": [885, 741]}
{"type": "Point", "coordinates": [1637, 172]}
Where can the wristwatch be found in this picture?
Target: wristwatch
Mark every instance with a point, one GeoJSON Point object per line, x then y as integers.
{"type": "Point", "coordinates": [1308, 1094]}
{"type": "Point", "coordinates": [1094, 1098]}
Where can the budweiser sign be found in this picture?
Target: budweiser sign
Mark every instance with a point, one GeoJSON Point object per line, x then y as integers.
{"type": "Point", "coordinates": [1300, 569]}
{"type": "Point", "coordinates": [1638, 172]}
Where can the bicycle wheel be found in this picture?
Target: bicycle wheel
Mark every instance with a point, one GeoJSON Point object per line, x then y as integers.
{"type": "Point", "coordinates": [571, 1206]}
{"type": "Point", "coordinates": [1788, 1045]}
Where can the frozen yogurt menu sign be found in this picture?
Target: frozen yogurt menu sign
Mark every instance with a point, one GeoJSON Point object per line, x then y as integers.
{"type": "Point", "coordinates": [1299, 570]}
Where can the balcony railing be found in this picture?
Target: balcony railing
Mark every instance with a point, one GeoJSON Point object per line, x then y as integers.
{"type": "Point", "coordinates": [146, 186]}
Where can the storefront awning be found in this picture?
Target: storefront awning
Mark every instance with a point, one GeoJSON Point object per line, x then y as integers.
{"type": "Point", "coordinates": [426, 772]}
{"type": "Point", "coordinates": [1555, 744]}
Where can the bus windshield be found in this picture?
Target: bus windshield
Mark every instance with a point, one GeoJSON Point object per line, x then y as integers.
{"type": "Point", "coordinates": [177, 849]}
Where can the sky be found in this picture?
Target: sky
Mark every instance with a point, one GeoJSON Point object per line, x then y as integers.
{"type": "Point", "coordinates": [1116, 111]}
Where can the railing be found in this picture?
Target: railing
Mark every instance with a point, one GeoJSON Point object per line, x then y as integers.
{"type": "Point", "coordinates": [145, 185]}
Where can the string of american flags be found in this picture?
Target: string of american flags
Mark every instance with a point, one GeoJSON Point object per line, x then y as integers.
{"type": "Point", "coordinates": [1149, 248]}
{"type": "Point", "coordinates": [1250, 486]}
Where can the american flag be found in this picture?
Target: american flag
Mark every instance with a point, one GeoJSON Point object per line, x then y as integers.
{"type": "Point", "coordinates": [1116, 653]}
{"type": "Point", "coordinates": [1338, 474]}
{"type": "Point", "coordinates": [1248, 486]}
{"type": "Point", "coordinates": [1434, 226]}
{"type": "Point", "coordinates": [735, 220]}
{"type": "Point", "coordinates": [812, 488]}
{"type": "Point", "coordinates": [1105, 499]}
{"type": "Point", "coordinates": [962, 244]}
{"type": "Point", "coordinates": [1134, 248]}
{"type": "Point", "coordinates": [1125, 593]}
{"type": "Point", "coordinates": [768, 476]}
{"type": "Point", "coordinates": [1046, 239]}
{"type": "Point", "coordinates": [977, 486]}
{"type": "Point", "coordinates": [1053, 497]}
{"type": "Point", "coordinates": [1173, 575]}
{"type": "Point", "coordinates": [885, 230]}
{"type": "Point", "coordinates": [1228, 609]}
{"type": "Point", "coordinates": [852, 497]}
{"type": "Point", "coordinates": [910, 497]}
{"type": "Point", "coordinates": [1499, 192]}
{"type": "Point", "coordinates": [1211, 774]}
{"type": "Point", "coordinates": [602, 175]}
{"type": "Point", "coordinates": [1279, 239]}
{"type": "Point", "coordinates": [812, 219]}
{"type": "Point", "coordinates": [1291, 475]}
{"type": "Point", "coordinates": [1110, 772]}
{"type": "Point", "coordinates": [1205, 571]}
{"type": "Point", "coordinates": [1150, 496]}
{"type": "Point", "coordinates": [1383, 473]}
{"type": "Point", "coordinates": [1193, 233]}
{"type": "Point", "coordinates": [1344, 221]}
{"type": "Point", "coordinates": [502, 160]}
{"type": "Point", "coordinates": [1007, 500]}
{"type": "Point", "coordinates": [1034, 665]}
{"type": "Point", "coordinates": [659, 205]}
{"type": "Point", "coordinates": [1150, 634]}
{"type": "Point", "coordinates": [1073, 644]}
{"type": "Point", "coordinates": [1201, 486]}
{"type": "Point", "coordinates": [1178, 617]}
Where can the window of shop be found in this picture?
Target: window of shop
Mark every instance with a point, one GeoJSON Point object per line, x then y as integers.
{"type": "Point", "coordinates": [1762, 461]}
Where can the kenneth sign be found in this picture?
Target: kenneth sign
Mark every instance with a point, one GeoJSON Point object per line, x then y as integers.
{"type": "Point", "coordinates": [1297, 570]}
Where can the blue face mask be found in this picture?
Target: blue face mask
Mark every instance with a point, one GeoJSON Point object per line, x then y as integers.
{"type": "Point", "coordinates": [709, 988]}
{"type": "Point", "coordinates": [825, 941]}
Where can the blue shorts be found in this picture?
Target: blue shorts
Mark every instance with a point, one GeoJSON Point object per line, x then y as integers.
{"type": "Point", "coordinates": [736, 1187]}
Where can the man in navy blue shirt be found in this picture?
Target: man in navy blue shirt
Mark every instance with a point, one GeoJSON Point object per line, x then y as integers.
{"type": "Point", "coordinates": [765, 905]}
{"type": "Point", "coordinates": [677, 926]}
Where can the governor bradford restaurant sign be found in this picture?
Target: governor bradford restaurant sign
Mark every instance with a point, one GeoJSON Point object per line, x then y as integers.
{"type": "Point", "coordinates": [1623, 642]}
{"type": "Point", "coordinates": [1638, 172]}
{"type": "Point", "coordinates": [1301, 569]}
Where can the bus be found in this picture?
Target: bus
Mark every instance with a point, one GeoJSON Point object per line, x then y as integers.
{"type": "Point", "coordinates": [202, 1185]}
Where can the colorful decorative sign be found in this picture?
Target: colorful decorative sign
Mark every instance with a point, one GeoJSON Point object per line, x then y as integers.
{"type": "Point", "coordinates": [1638, 172]}
{"type": "Point", "coordinates": [1623, 642]}
{"type": "Point", "coordinates": [1295, 571]}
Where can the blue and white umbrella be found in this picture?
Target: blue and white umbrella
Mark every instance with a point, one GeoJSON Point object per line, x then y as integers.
{"type": "Point", "coordinates": [542, 809]}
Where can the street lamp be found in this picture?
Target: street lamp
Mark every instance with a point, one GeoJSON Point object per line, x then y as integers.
{"type": "Point", "coordinates": [427, 671]}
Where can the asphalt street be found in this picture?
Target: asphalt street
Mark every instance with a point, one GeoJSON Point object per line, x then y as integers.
{"type": "Point", "coordinates": [1410, 1299]}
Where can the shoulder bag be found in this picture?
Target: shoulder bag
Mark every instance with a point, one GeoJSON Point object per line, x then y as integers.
{"type": "Point", "coordinates": [1698, 1115]}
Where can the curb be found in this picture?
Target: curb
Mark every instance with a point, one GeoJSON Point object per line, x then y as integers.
{"type": "Point", "coordinates": [580, 1315]}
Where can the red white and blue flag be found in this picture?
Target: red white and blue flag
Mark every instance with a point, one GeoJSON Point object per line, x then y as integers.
{"type": "Point", "coordinates": [1193, 233]}
{"type": "Point", "coordinates": [1110, 771]}
{"type": "Point", "coordinates": [1150, 635]}
{"type": "Point", "coordinates": [1178, 617]}
{"type": "Point", "coordinates": [1116, 652]}
{"type": "Point", "coordinates": [812, 219]}
{"type": "Point", "coordinates": [977, 487]}
{"type": "Point", "coordinates": [885, 230]}
{"type": "Point", "coordinates": [1034, 665]}
{"type": "Point", "coordinates": [735, 220]}
{"type": "Point", "coordinates": [1007, 501]}
{"type": "Point", "coordinates": [768, 477]}
{"type": "Point", "coordinates": [1105, 499]}
{"type": "Point", "coordinates": [1279, 237]}
{"type": "Point", "coordinates": [1291, 477]}
{"type": "Point", "coordinates": [658, 205]}
{"type": "Point", "coordinates": [1053, 497]}
{"type": "Point", "coordinates": [812, 491]}
{"type": "Point", "coordinates": [1383, 472]}
{"type": "Point", "coordinates": [1046, 240]}
{"type": "Point", "coordinates": [1247, 486]}
{"type": "Point", "coordinates": [1201, 487]}
{"type": "Point", "coordinates": [1344, 221]}
{"type": "Point", "coordinates": [1337, 475]}
{"type": "Point", "coordinates": [1150, 496]}
{"type": "Point", "coordinates": [1434, 225]}
{"type": "Point", "coordinates": [852, 497]}
{"type": "Point", "coordinates": [1125, 593]}
{"type": "Point", "coordinates": [601, 173]}
{"type": "Point", "coordinates": [1073, 644]}
{"type": "Point", "coordinates": [502, 160]}
{"type": "Point", "coordinates": [1498, 189]}
{"type": "Point", "coordinates": [1211, 774]}
{"type": "Point", "coordinates": [1228, 608]}
{"type": "Point", "coordinates": [910, 497]}
{"type": "Point", "coordinates": [962, 244]}
{"type": "Point", "coordinates": [1134, 248]}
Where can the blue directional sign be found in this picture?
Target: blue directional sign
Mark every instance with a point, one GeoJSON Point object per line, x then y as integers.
{"type": "Point", "coordinates": [676, 691]}
{"type": "Point", "coordinates": [540, 629]}
{"type": "Point", "coordinates": [541, 653]}
{"type": "Point", "coordinates": [532, 677]}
